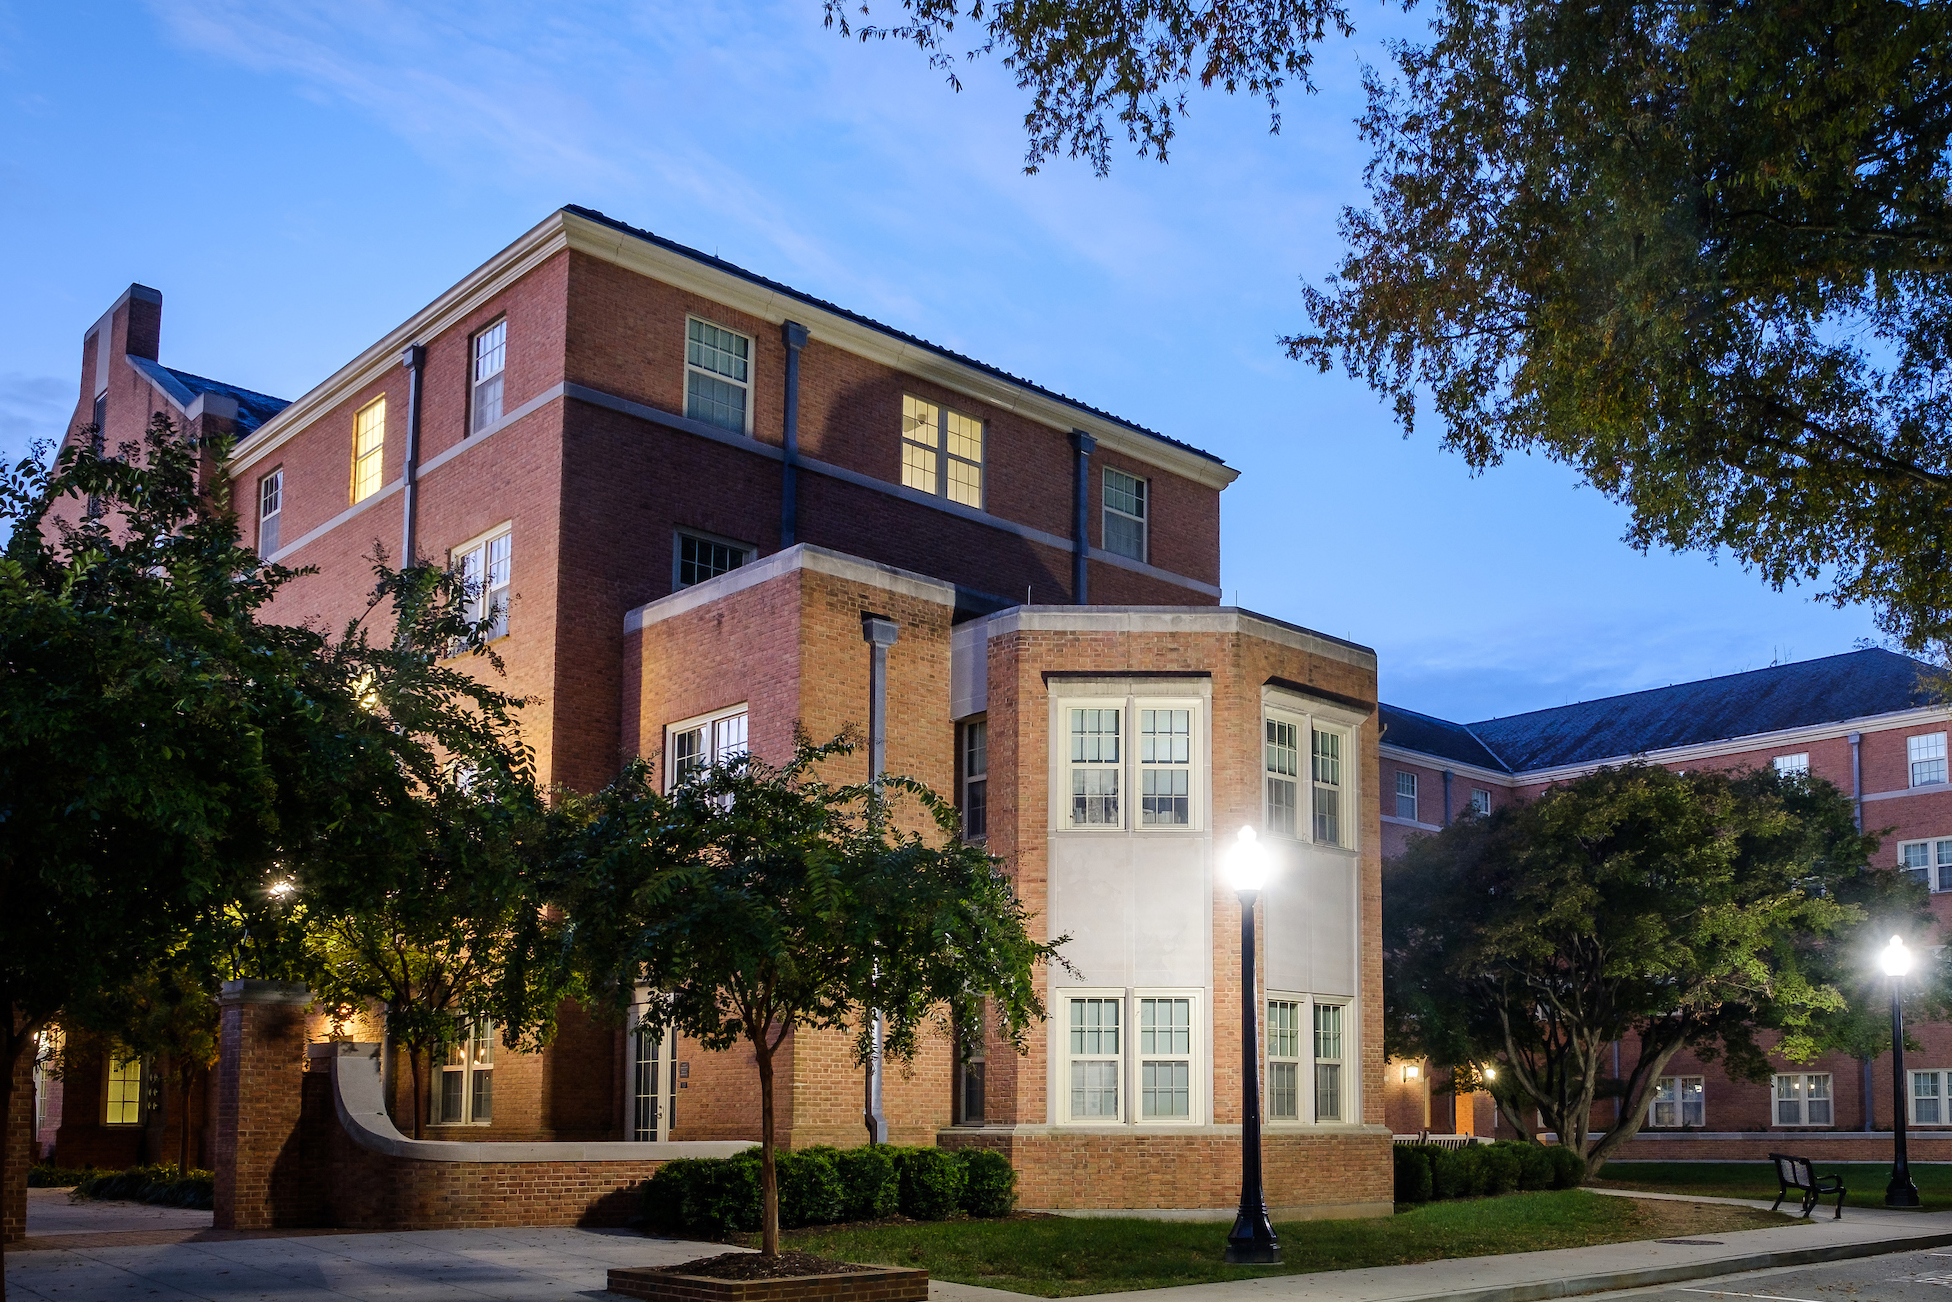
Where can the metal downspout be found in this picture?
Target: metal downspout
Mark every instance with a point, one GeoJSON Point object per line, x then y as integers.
{"type": "Point", "coordinates": [795, 336]}
{"type": "Point", "coordinates": [414, 359]}
{"type": "Point", "coordinates": [879, 633]}
{"type": "Point", "coordinates": [1083, 444]}
{"type": "Point", "coordinates": [1447, 777]}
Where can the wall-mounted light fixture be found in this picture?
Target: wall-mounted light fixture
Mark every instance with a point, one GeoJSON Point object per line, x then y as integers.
{"type": "Point", "coordinates": [1411, 1072]}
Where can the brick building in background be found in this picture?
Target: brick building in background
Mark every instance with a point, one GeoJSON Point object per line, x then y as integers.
{"type": "Point", "coordinates": [1871, 722]}
{"type": "Point", "coordinates": [709, 508]}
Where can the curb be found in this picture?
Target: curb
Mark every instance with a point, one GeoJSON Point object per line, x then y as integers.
{"type": "Point", "coordinates": [1649, 1276]}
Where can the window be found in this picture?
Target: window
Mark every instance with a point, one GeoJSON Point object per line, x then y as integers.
{"type": "Point", "coordinates": [1678, 1101]}
{"type": "Point", "coordinates": [1283, 762]}
{"type": "Point", "coordinates": [1284, 1060]}
{"type": "Point", "coordinates": [654, 1084]}
{"type": "Point", "coordinates": [1094, 768]}
{"type": "Point", "coordinates": [699, 744]}
{"type": "Point", "coordinates": [1792, 765]}
{"type": "Point", "coordinates": [271, 505]}
{"type": "Point", "coordinates": [1093, 1059]}
{"type": "Point", "coordinates": [941, 451]}
{"type": "Point", "coordinates": [368, 448]}
{"type": "Point", "coordinates": [1328, 1062]}
{"type": "Point", "coordinates": [699, 558]}
{"type": "Point", "coordinates": [1406, 795]}
{"type": "Point", "coordinates": [718, 369]}
{"type": "Point", "coordinates": [975, 779]}
{"type": "Point", "coordinates": [1803, 1099]}
{"type": "Point", "coordinates": [1929, 861]}
{"type": "Point", "coordinates": [971, 1060]}
{"type": "Point", "coordinates": [484, 567]}
{"type": "Point", "coordinates": [1165, 773]}
{"type": "Point", "coordinates": [1928, 1100]}
{"type": "Point", "coordinates": [465, 1093]}
{"type": "Point", "coordinates": [1165, 1059]}
{"type": "Point", "coordinates": [1480, 801]}
{"type": "Point", "coordinates": [1326, 767]}
{"type": "Point", "coordinates": [1124, 514]}
{"type": "Point", "coordinates": [490, 353]}
{"type": "Point", "coordinates": [1927, 756]}
{"type": "Point", "coordinates": [124, 1092]}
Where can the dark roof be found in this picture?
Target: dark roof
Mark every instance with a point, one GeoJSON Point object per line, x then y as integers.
{"type": "Point", "coordinates": [870, 323]}
{"type": "Point", "coordinates": [253, 409]}
{"type": "Point", "coordinates": [1432, 736]}
{"type": "Point", "coordinates": [1855, 685]}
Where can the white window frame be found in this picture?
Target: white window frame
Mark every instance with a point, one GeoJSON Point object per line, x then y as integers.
{"type": "Point", "coordinates": [973, 776]}
{"type": "Point", "coordinates": [1344, 785]}
{"type": "Point", "coordinates": [473, 558]}
{"type": "Point", "coordinates": [1284, 769]}
{"type": "Point", "coordinates": [1802, 1099]}
{"type": "Point", "coordinates": [271, 484]}
{"type": "Point", "coordinates": [1788, 764]}
{"type": "Point", "coordinates": [1671, 1092]}
{"type": "Point", "coordinates": [1925, 752]}
{"type": "Point", "coordinates": [1941, 1100]}
{"type": "Point", "coordinates": [752, 366]}
{"type": "Point", "coordinates": [1130, 697]}
{"type": "Point", "coordinates": [489, 385]}
{"type": "Point", "coordinates": [1143, 519]}
{"type": "Point", "coordinates": [708, 723]}
{"type": "Point", "coordinates": [1197, 1070]}
{"type": "Point", "coordinates": [1401, 794]}
{"type": "Point", "coordinates": [1301, 1059]}
{"type": "Point", "coordinates": [746, 553]}
{"type": "Point", "coordinates": [1933, 856]}
{"type": "Point", "coordinates": [377, 453]}
{"type": "Point", "coordinates": [1064, 1056]}
{"type": "Point", "coordinates": [942, 454]}
{"type": "Point", "coordinates": [1481, 801]}
{"type": "Point", "coordinates": [1346, 1099]}
{"type": "Point", "coordinates": [1311, 715]}
{"type": "Point", "coordinates": [653, 1084]}
{"type": "Point", "coordinates": [477, 1054]}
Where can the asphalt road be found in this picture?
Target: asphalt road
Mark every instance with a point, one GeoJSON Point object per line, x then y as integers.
{"type": "Point", "coordinates": [1901, 1277]}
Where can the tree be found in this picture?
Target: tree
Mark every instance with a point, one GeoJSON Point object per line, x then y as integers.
{"type": "Point", "coordinates": [1698, 252]}
{"type": "Point", "coordinates": [1665, 910]}
{"type": "Point", "coordinates": [762, 901]}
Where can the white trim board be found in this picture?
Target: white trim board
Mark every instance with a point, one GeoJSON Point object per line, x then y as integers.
{"type": "Point", "coordinates": [800, 556]}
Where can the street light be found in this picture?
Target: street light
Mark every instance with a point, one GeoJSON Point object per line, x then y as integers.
{"type": "Point", "coordinates": [1252, 1241]}
{"type": "Point", "coordinates": [1901, 1192]}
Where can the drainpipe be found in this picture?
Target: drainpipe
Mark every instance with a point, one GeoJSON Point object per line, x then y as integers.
{"type": "Point", "coordinates": [1447, 776]}
{"type": "Point", "coordinates": [795, 336]}
{"type": "Point", "coordinates": [414, 359]}
{"type": "Point", "coordinates": [1856, 740]}
{"type": "Point", "coordinates": [1083, 444]}
{"type": "Point", "coordinates": [880, 634]}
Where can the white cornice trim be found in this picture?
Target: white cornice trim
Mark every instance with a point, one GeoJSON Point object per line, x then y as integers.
{"type": "Point", "coordinates": [800, 556]}
{"type": "Point", "coordinates": [1174, 619]}
{"type": "Point", "coordinates": [1411, 822]}
{"type": "Point", "coordinates": [1421, 759]}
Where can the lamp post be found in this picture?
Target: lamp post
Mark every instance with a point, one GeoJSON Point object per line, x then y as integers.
{"type": "Point", "coordinates": [1901, 1192]}
{"type": "Point", "coordinates": [1252, 1241]}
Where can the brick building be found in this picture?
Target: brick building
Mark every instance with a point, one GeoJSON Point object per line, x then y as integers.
{"type": "Point", "coordinates": [1871, 722]}
{"type": "Point", "coordinates": [709, 508]}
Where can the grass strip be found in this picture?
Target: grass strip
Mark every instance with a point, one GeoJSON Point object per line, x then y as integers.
{"type": "Point", "coordinates": [1068, 1256]}
{"type": "Point", "coordinates": [1864, 1181]}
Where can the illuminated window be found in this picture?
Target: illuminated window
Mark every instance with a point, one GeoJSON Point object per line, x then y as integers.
{"type": "Point", "coordinates": [1125, 511]}
{"type": "Point", "coordinates": [490, 355]}
{"type": "Point", "coordinates": [271, 507]}
{"type": "Point", "coordinates": [124, 1093]}
{"type": "Point", "coordinates": [1803, 1099]}
{"type": "Point", "coordinates": [484, 567]}
{"type": "Point", "coordinates": [368, 448]}
{"type": "Point", "coordinates": [718, 372]}
{"type": "Point", "coordinates": [1284, 1059]}
{"type": "Point", "coordinates": [1678, 1101]}
{"type": "Point", "coordinates": [941, 451]}
{"type": "Point", "coordinates": [465, 1092]}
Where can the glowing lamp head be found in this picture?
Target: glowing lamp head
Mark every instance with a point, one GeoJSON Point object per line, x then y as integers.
{"type": "Point", "coordinates": [1410, 1072]}
{"type": "Point", "coordinates": [1247, 862]}
{"type": "Point", "coordinates": [1896, 959]}
{"type": "Point", "coordinates": [279, 890]}
{"type": "Point", "coordinates": [1491, 1073]}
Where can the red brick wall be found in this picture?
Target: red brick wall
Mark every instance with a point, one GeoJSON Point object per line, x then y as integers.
{"type": "Point", "coordinates": [263, 1180]}
{"type": "Point", "coordinates": [19, 1152]}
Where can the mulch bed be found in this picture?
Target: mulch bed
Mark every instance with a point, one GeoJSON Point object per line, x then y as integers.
{"type": "Point", "coordinates": [753, 1265]}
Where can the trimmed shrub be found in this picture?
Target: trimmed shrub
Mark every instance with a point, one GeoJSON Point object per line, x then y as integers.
{"type": "Point", "coordinates": [663, 1195]}
{"type": "Point", "coordinates": [989, 1182]}
{"type": "Point", "coordinates": [1567, 1170]}
{"type": "Point", "coordinates": [706, 1197]}
{"type": "Point", "coordinates": [810, 1191]}
{"type": "Point", "coordinates": [1412, 1173]}
{"type": "Point", "coordinates": [1534, 1166]}
{"type": "Point", "coordinates": [1500, 1166]}
{"type": "Point", "coordinates": [162, 1185]}
{"type": "Point", "coordinates": [1450, 1173]}
{"type": "Point", "coordinates": [46, 1175]}
{"type": "Point", "coordinates": [870, 1189]}
{"type": "Point", "coordinates": [931, 1183]}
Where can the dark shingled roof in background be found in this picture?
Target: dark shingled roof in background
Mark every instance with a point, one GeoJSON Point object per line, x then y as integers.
{"type": "Point", "coordinates": [1813, 692]}
{"type": "Point", "coordinates": [872, 324]}
{"type": "Point", "coordinates": [253, 409]}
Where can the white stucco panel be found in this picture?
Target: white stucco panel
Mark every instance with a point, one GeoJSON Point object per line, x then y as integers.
{"type": "Point", "coordinates": [1138, 908]}
{"type": "Point", "coordinates": [1310, 913]}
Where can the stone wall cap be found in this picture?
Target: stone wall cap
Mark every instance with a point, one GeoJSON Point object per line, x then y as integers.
{"type": "Point", "coordinates": [254, 991]}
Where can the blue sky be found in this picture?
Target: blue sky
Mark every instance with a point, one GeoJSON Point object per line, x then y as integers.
{"type": "Point", "coordinates": [299, 177]}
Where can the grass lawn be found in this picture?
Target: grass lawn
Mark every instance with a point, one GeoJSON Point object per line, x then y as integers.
{"type": "Point", "coordinates": [1063, 1256]}
{"type": "Point", "coordinates": [1865, 1181]}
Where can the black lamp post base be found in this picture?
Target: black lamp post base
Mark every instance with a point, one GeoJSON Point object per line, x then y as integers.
{"type": "Point", "coordinates": [1901, 1192]}
{"type": "Point", "coordinates": [1252, 1242]}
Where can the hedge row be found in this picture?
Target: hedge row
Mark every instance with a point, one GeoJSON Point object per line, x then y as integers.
{"type": "Point", "coordinates": [716, 1196]}
{"type": "Point", "coordinates": [162, 1185]}
{"type": "Point", "coordinates": [1428, 1171]}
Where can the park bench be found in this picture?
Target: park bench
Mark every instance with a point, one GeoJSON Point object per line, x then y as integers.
{"type": "Point", "coordinates": [1797, 1173]}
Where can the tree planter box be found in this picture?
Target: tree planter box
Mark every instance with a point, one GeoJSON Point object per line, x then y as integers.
{"type": "Point", "coordinates": [876, 1284]}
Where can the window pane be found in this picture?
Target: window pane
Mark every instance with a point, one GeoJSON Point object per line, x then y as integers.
{"type": "Point", "coordinates": [1283, 1092]}
{"type": "Point", "coordinates": [1094, 797]}
{"type": "Point", "coordinates": [1124, 537]}
{"type": "Point", "coordinates": [1165, 1026]}
{"type": "Point", "coordinates": [1406, 796]}
{"type": "Point", "coordinates": [1094, 1089]}
{"type": "Point", "coordinates": [271, 503]}
{"type": "Point", "coordinates": [715, 401]}
{"type": "Point", "coordinates": [1280, 807]}
{"type": "Point", "coordinates": [1165, 739]}
{"type": "Point", "coordinates": [1326, 765]}
{"type": "Point", "coordinates": [1125, 513]}
{"type": "Point", "coordinates": [1094, 1026]}
{"type": "Point", "coordinates": [1927, 756]}
{"type": "Point", "coordinates": [449, 1105]}
{"type": "Point", "coordinates": [1789, 1100]}
{"type": "Point", "coordinates": [368, 449]}
{"type": "Point", "coordinates": [1817, 1108]}
{"type": "Point", "coordinates": [1094, 736]}
{"type": "Point", "coordinates": [1328, 1092]}
{"type": "Point", "coordinates": [1480, 800]}
{"type": "Point", "coordinates": [1165, 1089]}
{"type": "Point", "coordinates": [719, 351]}
{"type": "Point", "coordinates": [124, 1105]}
{"type": "Point", "coordinates": [688, 754]}
{"type": "Point", "coordinates": [921, 441]}
{"type": "Point", "coordinates": [1283, 1029]}
{"type": "Point", "coordinates": [646, 1076]}
{"type": "Point", "coordinates": [965, 446]}
{"type": "Point", "coordinates": [1693, 1107]}
{"type": "Point", "coordinates": [490, 351]}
